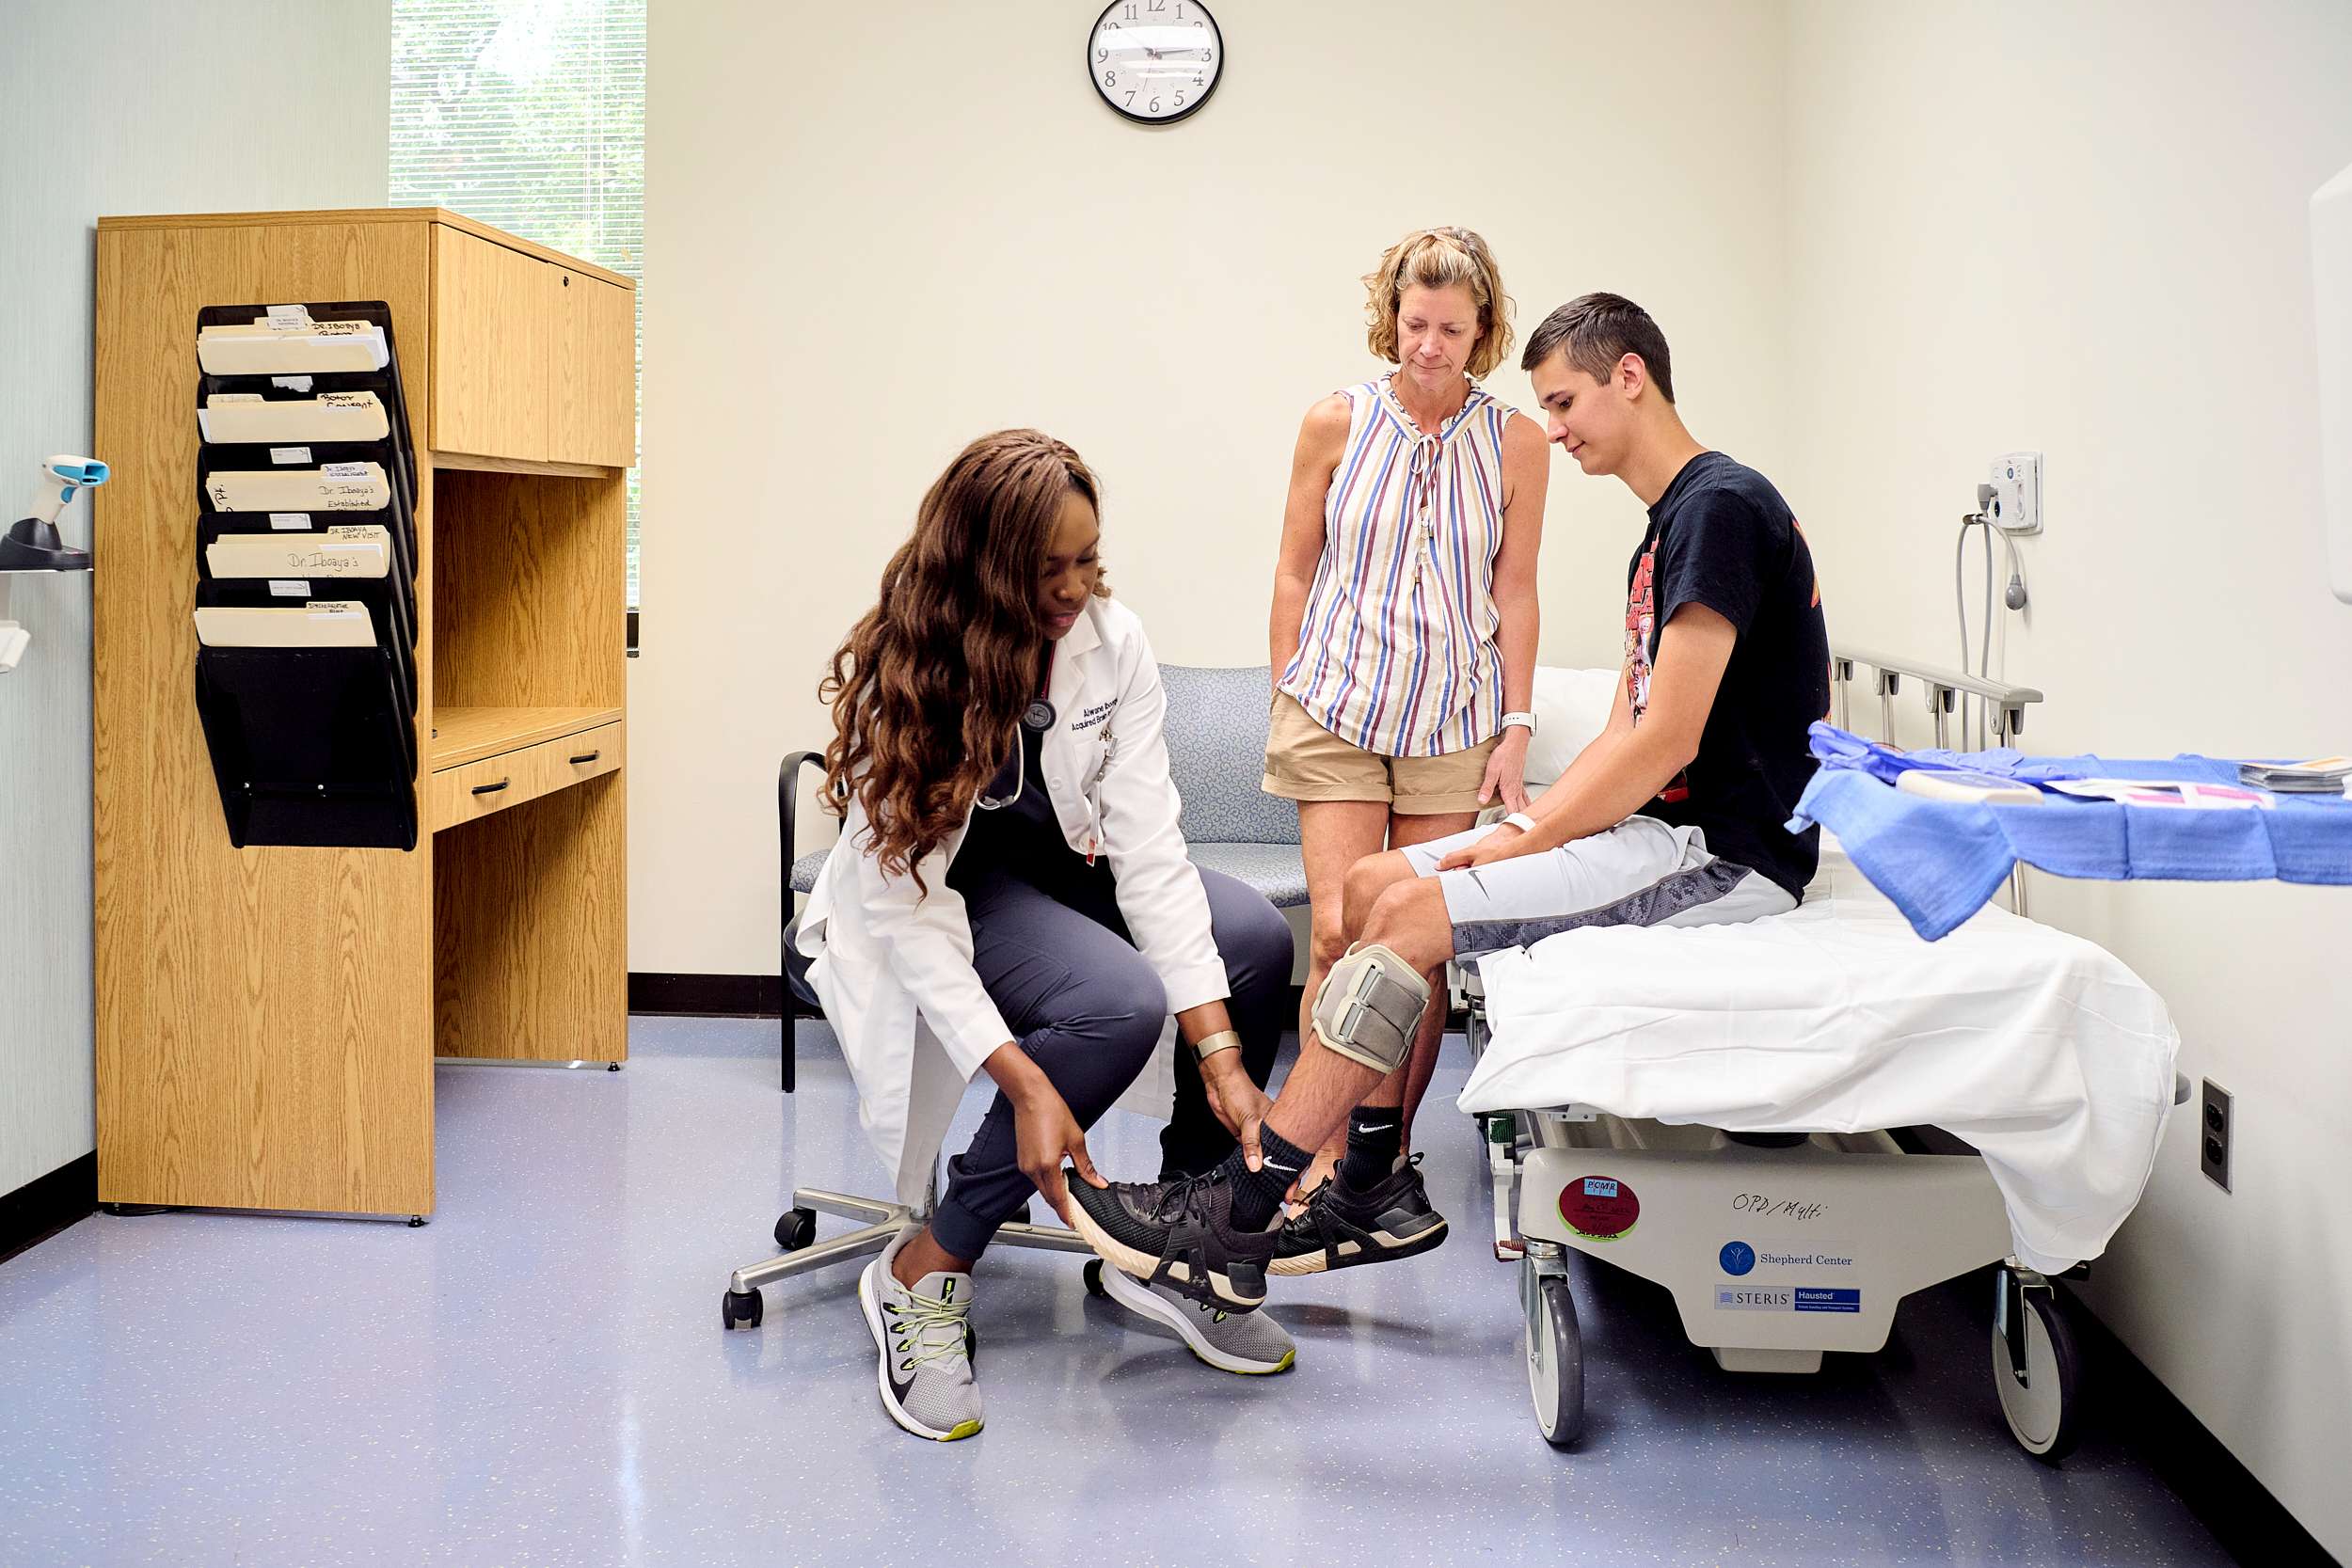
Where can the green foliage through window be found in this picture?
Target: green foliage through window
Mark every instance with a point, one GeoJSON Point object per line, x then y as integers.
{"type": "Point", "coordinates": [529, 115]}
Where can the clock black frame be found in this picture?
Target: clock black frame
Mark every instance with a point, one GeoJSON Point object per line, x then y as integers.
{"type": "Point", "coordinates": [1086, 52]}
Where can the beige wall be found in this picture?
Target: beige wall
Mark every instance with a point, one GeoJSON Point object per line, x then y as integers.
{"type": "Point", "coordinates": [1888, 242]}
{"type": "Point", "coordinates": [2081, 227]}
{"type": "Point", "coordinates": [98, 103]}
{"type": "Point", "coordinates": [874, 232]}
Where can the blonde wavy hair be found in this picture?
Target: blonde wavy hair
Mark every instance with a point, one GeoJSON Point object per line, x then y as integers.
{"type": "Point", "coordinates": [1439, 258]}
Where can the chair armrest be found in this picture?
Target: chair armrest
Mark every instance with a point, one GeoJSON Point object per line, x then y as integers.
{"type": "Point", "coordinates": [787, 838]}
{"type": "Point", "coordinates": [787, 814]}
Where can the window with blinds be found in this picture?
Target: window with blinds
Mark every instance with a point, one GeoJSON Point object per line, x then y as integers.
{"type": "Point", "coordinates": [529, 115]}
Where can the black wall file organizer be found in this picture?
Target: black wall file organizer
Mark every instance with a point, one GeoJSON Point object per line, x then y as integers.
{"type": "Point", "coordinates": [312, 745]}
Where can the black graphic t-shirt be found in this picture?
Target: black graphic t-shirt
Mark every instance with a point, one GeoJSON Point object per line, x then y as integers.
{"type": "Point", "coordinates": [1722, 536]}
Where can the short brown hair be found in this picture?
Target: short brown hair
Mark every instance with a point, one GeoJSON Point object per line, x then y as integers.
{"type": "Point", "coordinates": [1439, 258]}
{"type": "Point", "coordinates": [1597, 331]}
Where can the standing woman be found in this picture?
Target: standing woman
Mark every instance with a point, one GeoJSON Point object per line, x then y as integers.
{"type": "Point", "coordinates": [1010, 893]}
{"type": "Point", "coordinates": [1405, 617]}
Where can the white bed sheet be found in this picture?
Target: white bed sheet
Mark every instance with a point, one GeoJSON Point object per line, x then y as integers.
{"type": "Point", "coordinates": [2041, 1050]}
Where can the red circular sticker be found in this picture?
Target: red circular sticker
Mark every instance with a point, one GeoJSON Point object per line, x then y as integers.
{"type": "Point", "coordinates": [1599, 1208]}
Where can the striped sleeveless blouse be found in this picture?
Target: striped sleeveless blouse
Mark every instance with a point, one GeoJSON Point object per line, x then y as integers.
{"type": "Point", "coordinates": [1396, 653]}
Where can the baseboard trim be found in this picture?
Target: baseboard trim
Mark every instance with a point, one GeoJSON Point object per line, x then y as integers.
{"type": "Point", "coordinates": [48, 1204]}
{"type": "Point", "coordinates": [707, 995]}
{"type": "Point", "coordinates": [2227, 1498]}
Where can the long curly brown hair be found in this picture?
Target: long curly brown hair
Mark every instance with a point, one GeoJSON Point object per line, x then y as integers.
{"type": "Point", "coordinates": [928, 685]}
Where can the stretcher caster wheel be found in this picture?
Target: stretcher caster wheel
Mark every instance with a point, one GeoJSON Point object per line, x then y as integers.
{"type": "Point", "coordinates": [1093, 1275]}
{"type": "Point", "coordinates": [741, 1309]}
{"type": "Point", "coordinates": [796, 1229]}
{"type": "Point", "coordinates": [2041, 1407]}
{"type": "Point", "coordinates": [1555, 1361]}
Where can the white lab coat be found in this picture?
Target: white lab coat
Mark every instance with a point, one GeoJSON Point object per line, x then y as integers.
{"type": "Point", "coordinates": [893, 966]}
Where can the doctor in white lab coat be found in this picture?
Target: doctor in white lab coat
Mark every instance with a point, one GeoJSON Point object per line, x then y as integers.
{"type": "Point", "coordinates": [1025, 907]}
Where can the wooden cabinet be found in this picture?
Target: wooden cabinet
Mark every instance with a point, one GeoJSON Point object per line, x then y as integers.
{"type": "Point", "coordinates": [594, 374]}
{"type": "Point", "coordinates": [498, 310]}
{"type": "Point", "coordinates": [268, 1018]}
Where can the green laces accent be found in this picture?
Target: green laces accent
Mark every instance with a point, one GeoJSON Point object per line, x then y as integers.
{"type": "Point", "coordinates": [932, 1327]}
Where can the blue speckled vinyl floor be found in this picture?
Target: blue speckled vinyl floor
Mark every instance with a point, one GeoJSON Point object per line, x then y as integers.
{"type": "Point", "coordinates": [540, 1377]}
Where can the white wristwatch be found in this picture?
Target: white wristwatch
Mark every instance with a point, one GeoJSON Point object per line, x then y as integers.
{"type": "Point", "coordinates": [1521, 820]}
{"type": "Point", "coordinates": [1524, 721]}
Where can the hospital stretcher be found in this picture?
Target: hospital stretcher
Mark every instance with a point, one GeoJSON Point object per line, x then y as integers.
{"type": "Point", "coordinates": [1778, 1246]}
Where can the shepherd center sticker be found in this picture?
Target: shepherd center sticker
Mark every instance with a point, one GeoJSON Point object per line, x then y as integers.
{"type": "Point", "coordinates": [1599, 1208]}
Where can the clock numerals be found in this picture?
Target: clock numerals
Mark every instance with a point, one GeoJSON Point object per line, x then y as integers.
{"type": "Point", "coordinates": [1152, 61]}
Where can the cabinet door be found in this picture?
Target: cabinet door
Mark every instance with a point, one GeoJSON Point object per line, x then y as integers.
{"type": "Point", "coordinates": [595, 377]}
{"type": "Point", "coordinates": [493, 341]}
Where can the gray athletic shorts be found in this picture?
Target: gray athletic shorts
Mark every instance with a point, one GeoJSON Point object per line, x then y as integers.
{"type": "Point", "coordinates": [1639, 873]}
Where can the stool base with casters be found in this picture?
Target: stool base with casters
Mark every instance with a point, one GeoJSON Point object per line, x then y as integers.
{"type": "Point", "coordinates": [796, 1233]}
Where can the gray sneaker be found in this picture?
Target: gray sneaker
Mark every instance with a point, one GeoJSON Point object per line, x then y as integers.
{"type": "Point", "coordinates": [924, 1366]}
{"type": "Point", "coordinates": [1250, 1342]}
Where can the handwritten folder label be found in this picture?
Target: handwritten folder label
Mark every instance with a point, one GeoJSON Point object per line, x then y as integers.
{"type": "Point", "coordinates": [363, 551]}
{"type": "Point", "coordinates": [328, 417]}
{"type": "Point", "coordinates": [316, 624]}
{"type": "Point", "coordinates": [337, 488]}
{"type": "Point", "coordinates": [283, 346]}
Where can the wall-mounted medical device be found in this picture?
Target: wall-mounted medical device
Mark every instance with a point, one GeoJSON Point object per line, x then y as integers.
{"type": "Point", "coordinates": [32, 542]}
{"type": "Point", "coordinates": [2331, 299]}
{"type": "Point", "coordinates": [2012, 495]}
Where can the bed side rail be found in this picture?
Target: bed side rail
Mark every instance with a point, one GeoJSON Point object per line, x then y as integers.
{"type": "Point", "coordinates": [2005, 704]}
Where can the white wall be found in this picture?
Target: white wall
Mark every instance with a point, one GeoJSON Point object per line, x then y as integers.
{"type": "Point", "coordinates": [119, 106]}
{"type": "Point", "coordinates": [2081, 227]}
{"type": "Point", "coordinates": [875, 233]}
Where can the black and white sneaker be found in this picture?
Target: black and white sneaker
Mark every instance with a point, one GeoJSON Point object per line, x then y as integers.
{"type": "Point", "coordinates": [1341, 1228]}
{"type": "Point", "coordinates": [1177, 1233]}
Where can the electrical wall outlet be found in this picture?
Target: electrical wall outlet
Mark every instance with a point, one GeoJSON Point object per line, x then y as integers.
{"type": "Point", "coordinates": [2016, 504]}
{"type": "Point", "coordinates": [2213, 1134]}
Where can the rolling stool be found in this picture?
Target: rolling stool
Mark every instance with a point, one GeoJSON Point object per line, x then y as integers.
{"type": "Point", "coordinates": [796, 1230]}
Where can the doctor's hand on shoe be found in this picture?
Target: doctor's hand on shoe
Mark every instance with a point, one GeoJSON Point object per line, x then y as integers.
{"type": "Point", "coordinates": [1237, 1100]}
{"type": "Point", "coordinates": [1044, 1133]}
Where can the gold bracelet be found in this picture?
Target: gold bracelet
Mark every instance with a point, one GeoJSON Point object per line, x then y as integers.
{"type": "Point", "coordinates": [1224, 1040]}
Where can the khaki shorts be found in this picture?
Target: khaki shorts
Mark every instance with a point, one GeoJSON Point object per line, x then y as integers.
{"type": "Point", "coordinates": [1305, 762]}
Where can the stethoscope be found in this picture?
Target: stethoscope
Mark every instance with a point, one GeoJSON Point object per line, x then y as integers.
{"type": "Point", "coordinates": [1035, 720]}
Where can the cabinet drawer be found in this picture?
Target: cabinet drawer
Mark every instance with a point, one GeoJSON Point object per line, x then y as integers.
{"type": "Point", "coordinates": [478, 789]}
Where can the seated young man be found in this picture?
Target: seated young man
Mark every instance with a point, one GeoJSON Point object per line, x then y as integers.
{"type": "Point", "coordinates": [1674, 814]}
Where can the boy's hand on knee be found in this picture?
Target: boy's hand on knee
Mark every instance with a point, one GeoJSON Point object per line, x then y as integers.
{"type": "Point", "coordinates": [1506, 841]}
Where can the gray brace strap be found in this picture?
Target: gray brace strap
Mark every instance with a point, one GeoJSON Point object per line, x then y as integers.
{"type": "Point", "coordinates": [1369, 1005]}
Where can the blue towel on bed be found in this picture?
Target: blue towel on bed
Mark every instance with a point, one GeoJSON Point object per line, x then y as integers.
{"type": "Point", "coordinates": [1939, 861]}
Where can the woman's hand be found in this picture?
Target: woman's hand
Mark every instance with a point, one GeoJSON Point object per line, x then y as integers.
{"type": "Point", "coordinates": [1502, 842]}
{"type": "Point", "coordinates": [1044, 1133]}
{"type": "Point", "coordinates": [1506, 771]}
{"type": "Point", "coordinates": [1237, 1100]}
